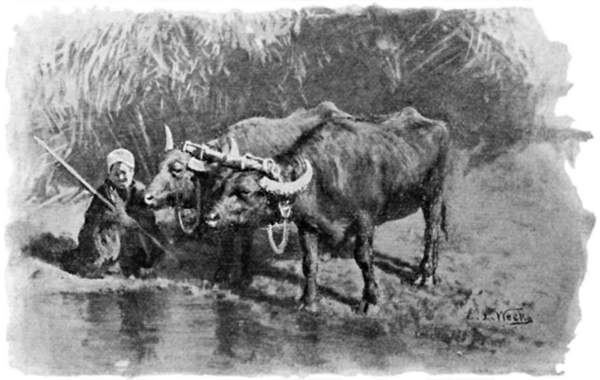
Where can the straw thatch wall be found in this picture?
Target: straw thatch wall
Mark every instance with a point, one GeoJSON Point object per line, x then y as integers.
{"type": "Point", "coordinates": [92, 81]}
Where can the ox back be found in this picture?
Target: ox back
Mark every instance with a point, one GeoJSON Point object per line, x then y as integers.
{"type": "Point", "coordinates": [363, 175]}
{"type": "Point", "coordinates": [386, 170]}
{"type": "Point", "coordinates": [261, 137]}
{"type": "Point", "coordinates": [342, 178]}
{"type": "Point", "coordinates": [268, 137]}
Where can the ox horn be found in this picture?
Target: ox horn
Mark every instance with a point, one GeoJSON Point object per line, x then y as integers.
{"type": "Point", "coordinates": [234, 150]}
{"type": "Point", "coordinates": [288, 188]}
{"type": "Point", "coordinates": [168, 139]}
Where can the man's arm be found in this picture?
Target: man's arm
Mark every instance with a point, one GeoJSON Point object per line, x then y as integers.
{"type": "Point", "coordinates": [138, 209]}
{"type": "Point", "coordinates": [98, 211]}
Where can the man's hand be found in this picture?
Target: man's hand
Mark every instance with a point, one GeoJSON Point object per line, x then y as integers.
{"type": "Point", "coordinates": [119, 213]}
{"type": "Point", "coordinates": [127, 221]}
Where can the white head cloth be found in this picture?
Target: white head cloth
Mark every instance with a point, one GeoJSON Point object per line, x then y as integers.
{"type": "Point", "coordinates": [120, 155]}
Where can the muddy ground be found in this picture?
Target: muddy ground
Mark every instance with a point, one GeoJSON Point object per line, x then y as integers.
{"type": "Point", "coordinates": [517, 238]}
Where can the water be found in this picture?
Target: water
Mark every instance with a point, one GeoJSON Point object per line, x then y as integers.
{"type": "Point", "coordinates": [146, 331]}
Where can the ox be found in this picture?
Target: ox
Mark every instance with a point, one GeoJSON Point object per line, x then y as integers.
{"type": "Point", "coordinates": [185, 182]}
{"type": "Point", "coordinates": [340, 180]}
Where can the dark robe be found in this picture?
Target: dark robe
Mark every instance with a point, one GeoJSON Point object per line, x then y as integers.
{"type": "Point", "coordinates": [107, 246]}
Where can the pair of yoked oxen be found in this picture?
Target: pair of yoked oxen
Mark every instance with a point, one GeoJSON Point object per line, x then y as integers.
{"type": "Point", "coordinates": [334, 176]}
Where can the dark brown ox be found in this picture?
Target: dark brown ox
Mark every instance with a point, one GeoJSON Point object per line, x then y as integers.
{"type": "Point", "coordinates": [343, 178]}
{"type": "Point", "coordinates": [184, 182]}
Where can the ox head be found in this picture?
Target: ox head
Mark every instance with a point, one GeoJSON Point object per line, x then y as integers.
{"type": "Point", "coordinates": [179, 175]}
{"type": "Point", "coordinates": [251, 198]}
{"type": "Point", "coordinates": [174, 180]}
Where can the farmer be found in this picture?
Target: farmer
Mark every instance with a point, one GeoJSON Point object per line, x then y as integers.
{"type": "Point", "coordinates": [110, 241]}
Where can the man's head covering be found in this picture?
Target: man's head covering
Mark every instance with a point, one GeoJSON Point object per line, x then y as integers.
{"type": "Point", "coordinates": [120, 155]}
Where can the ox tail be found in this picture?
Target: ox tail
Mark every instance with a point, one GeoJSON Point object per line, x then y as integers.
{"type": "Point", "coordinates": [445, 173]}
{"type": "Point", "coordinates": [444, 220]}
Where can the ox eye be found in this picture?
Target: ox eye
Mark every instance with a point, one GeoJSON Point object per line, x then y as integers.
{"type": "Point", "coordinates": [241, 193]}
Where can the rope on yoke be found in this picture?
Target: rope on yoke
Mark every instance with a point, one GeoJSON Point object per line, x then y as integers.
{"type": "Point", "coordinates": [285, 210]}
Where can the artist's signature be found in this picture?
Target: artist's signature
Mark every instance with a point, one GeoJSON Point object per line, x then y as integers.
{"type": "Point", "coordinates": [514, 316]}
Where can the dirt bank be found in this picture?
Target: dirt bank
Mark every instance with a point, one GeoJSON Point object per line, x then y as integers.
{"type": "Point", "coordinates": [517, 238]}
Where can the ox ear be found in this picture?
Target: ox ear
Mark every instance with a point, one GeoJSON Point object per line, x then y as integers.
{"type": "Point", "coordinates": [168, 139]}
{"type": "Point", "coordinates": [234, 150]}
{"type": "Point", "coordinates": [214, 143]}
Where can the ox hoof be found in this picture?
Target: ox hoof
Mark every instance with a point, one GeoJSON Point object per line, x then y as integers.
{"type": "Point", "coordinates": [243, 283]}
{"type": "Point", "coordinates": [147, 273]}
{"type": "Point", "coordinates": [309, 307]}
{"type": "Point", "coordinates": [168, 265]}
{"type": "Point", "coordinates": [364, 308]}
{"type": "Point", "coordinates": [222, 276]}
{"type": "Point", "coordinates": [427, 281]}
{"type": "Point", "coordinates": [92, 275]}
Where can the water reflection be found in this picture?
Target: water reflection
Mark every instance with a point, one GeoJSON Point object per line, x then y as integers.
{"type": "Point", "coordinates": [241, 338]}
{"type": "Point", "coordinates": [308, 350]}
{"type": "Point", "coordinates": [99, 306]}
{"type": "Point", "coordinates": [141, 311]}
{"type": "Point", "coordinates": [303, 341]}
{"type": "Point", "coordinates": [149, 331]}
{"type": "Point", "coordinates": [121, 327]}
{"type": "Point", "coordinates": [228, 329]}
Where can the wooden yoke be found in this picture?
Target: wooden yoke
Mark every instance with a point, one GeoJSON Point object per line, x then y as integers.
{"type": "Point", "coordinates": [202, 153]}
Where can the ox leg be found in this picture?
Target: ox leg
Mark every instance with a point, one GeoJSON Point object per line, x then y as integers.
{"type": "Point", "coordinates": [226, 258]}
{"type": "Point", "coordinates": [432, 211]}
{"type": "Point", "coordinates": [245, 258]}
{"type": "Point", "coordinates": [363, 254]}
{"type": "Point", "coordinates": [310, 264]}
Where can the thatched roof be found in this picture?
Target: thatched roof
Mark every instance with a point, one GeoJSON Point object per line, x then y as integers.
{"type": "Point", "coordinates": [93, 81]}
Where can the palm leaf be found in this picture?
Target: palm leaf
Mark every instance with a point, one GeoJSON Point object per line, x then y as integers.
{"type": "Point", "coordinates": [115, 81]}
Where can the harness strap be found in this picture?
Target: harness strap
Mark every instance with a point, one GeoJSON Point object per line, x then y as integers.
{"type": "Point", "coordinates": [189, 229]}
{"type": "Point", "coordinates": [285, 210]}
{"type": "Point", "coordinates": [278, 248]}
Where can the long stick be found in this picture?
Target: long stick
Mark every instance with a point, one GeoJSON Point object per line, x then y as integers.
{"type": "Point", "coordinates": [74, 173]}
{"type": "Point", "coordinates": [91, 189]}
